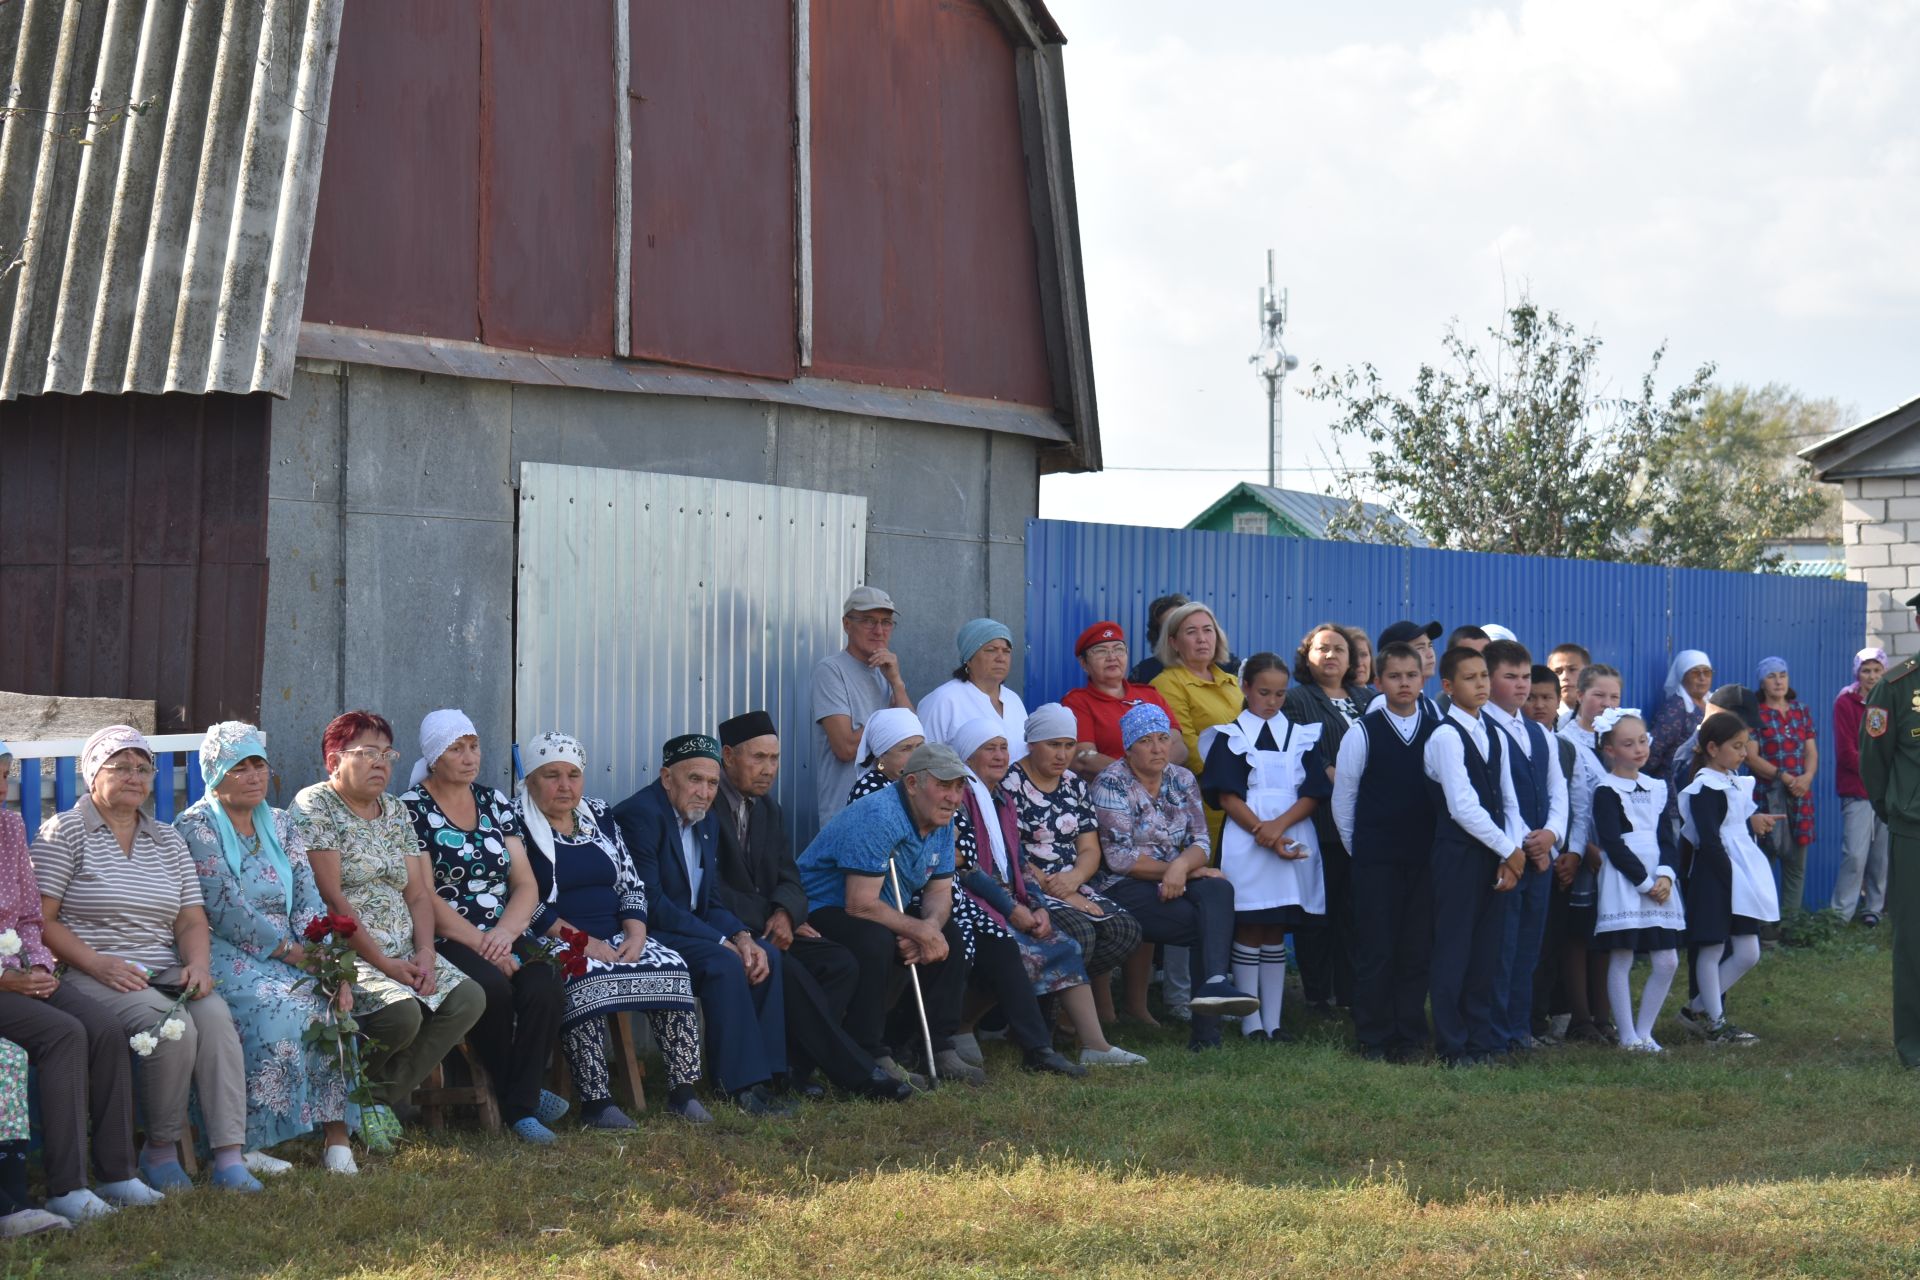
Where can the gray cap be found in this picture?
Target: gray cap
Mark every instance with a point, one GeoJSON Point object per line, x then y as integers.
{"type": "Point", "coordinates": [938, 759]}
{"type": "Point", "coordinates": [863, 598]}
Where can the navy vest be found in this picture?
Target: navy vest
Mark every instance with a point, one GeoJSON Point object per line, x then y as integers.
{"type": "Point", "coordinates": [1484, 774]}
{"type": "Point", "coordinates": [1393, 813]}
{"type": "Point", "coordinates": [1532, 784]}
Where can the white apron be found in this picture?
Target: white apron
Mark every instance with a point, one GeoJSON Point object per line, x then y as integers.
{"type": "Point", "coordinates": [1622, 905]}
{"type": "Point", "coordinates": [1754, 894]}
{"type": "Point", "coordinates": [1262, 878]}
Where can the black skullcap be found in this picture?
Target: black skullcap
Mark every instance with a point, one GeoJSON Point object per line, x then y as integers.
{"type": "Point", "coordinates": [743, 728]}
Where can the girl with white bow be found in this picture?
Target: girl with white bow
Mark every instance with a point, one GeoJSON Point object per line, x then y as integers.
{"type": "Point", "coordinates": [1639, 906]}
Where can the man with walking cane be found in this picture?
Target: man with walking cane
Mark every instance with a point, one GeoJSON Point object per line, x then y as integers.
{"type": "Point", "coordinates": [879, 877]}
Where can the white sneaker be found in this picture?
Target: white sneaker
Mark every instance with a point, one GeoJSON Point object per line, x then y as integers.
{"type": "Point", "coordinates": [79, 1206]}
{"type": "Point", "coordinates": [29, 1222]}
{"type": "Point", "coordinates": [132, 1193]}
{"type": "Point", "coordinates": [339, 1159]}
{"type": "Point", "coordinates": [261, 1162]}
{"type": "Point", "coordinates": [1111, 1056]}
{"type": "Point", "coordinates": [967, 1045]}
{"type": "Point", "coordinates": [1644, 1046]}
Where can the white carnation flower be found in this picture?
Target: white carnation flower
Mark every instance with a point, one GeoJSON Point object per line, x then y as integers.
{"type": "Point", "coordinates": [172, 1029]}
{"type": "Point", "coordinates": [9, 943]}
{"type": "Point", "coordinates": [143, 1043]}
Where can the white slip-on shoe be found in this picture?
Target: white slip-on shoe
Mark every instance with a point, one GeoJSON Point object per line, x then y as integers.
{"type": "Point", "coordinates": [261, 1162]}
{"type": "Point", "coordinates": [1111, 1056]}
{"type": "Point", "coordinates": [339, 1159]}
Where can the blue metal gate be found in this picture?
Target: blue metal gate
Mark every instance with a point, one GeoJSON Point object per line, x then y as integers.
{"type": "Point", "coordinates": [1268, 591]}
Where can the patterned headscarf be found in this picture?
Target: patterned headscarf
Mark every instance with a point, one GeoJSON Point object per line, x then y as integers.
{"type": "Point", "coordinates": [556, 748]}
{"type": "Point", "coordinates": [1141, 721]}
{"type": "Point", "coordinates": [226, 745]}
{"type": "Point", "coordinates": [1869, 654]}
{"type": "Point", "coordinates": [438, 731]}
{"type": "Point", "coordinates": [108, 742]}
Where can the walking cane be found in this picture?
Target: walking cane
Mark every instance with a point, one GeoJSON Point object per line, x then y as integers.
{"type": "Point", "coordinates": [913, 972]}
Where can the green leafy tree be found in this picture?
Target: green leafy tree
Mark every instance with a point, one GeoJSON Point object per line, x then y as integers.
{"type": "Point", "coordinates": [1516, 448]}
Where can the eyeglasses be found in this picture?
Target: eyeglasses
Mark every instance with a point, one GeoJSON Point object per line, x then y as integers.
{"type": "Point", "coordinates": [130, 770]}
{"type": "Point", "coordinates": [372, 755]}
{"type": "Point", "coordinates": [1114, 649]}
{"type": "Point", "coordinates": [871, 623]}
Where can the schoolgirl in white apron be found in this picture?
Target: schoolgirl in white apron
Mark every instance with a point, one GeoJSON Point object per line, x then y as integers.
{"type": "Point", "coordinates": [1627, 807]}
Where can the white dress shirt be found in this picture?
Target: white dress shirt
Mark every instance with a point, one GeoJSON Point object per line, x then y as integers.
{"type": "Point", "coordinates": [1351, 763]}
{"type": "Point", "coordinates": [1517, 735]}
{"type": "Point", "coordinates": [1446, 764]}
{"type": "Point", "coordinates": [1587, 773]}
{"type": "Point", "coordinates": [690, 852]}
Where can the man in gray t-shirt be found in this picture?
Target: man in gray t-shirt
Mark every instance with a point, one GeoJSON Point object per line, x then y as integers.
{"type": "Point", "coordinates": [850, 686]}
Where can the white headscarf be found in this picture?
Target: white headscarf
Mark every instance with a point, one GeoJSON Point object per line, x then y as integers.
{"type": "Point", "coordinates": [885, 730]}
{"type": "Point", "coordinates": [551, 748]}
{"type": "Point", "coordinates": [1497, 632]}
{"type": "Point", "coordinates": [438, 731]}
{"type": "Point", "coordinates": [1049, 721]}
{"type": "Point", "coordinates": [1683, 662]}
{"type": "Point", "coordinates": [967, 739]}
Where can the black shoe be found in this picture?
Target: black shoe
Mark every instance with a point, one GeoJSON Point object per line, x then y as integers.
{"type": "Point", "coordinates": [1870, 920]}
{"type": "Point", "coordinates": [1281, 1036]}
{"type": "Point", "coordinates": [881, 1087]}
{"type": "Point", "coordinates": [758, 1102]}
{"type": "Point", "coordinates": [1051, 1061]}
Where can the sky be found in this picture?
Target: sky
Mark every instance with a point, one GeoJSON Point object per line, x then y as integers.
{"type": "Point", "coordinates": [1738, 181]}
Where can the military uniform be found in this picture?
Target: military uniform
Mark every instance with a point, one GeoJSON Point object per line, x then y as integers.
{"type": "Point", "coordinates": [1890, 770]}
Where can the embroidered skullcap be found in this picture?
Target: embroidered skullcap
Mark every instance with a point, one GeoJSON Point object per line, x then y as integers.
{"type": "Point", "coordinates": [886, 729]}
{"type": "Point", "coordinates": [1098, 633]}
{"type": "Point", "coordinates": [975, 734]}
{"type": "Point", "coordinates": [106, 743]}
{"type": "Point", "coordinates": [1050, 721]}
{"type": "Point", "coordinates": [549, 748]}
{"type": "Point", "coordinates": [689, 746]}
{"type": "Point", "coordinates": [1770, 665]}
{"type": "Point", "coordinates": [1868, 654]}
{"type": "Point", "coordinates": [1141, 721]}
{"type": "Point", "coordinates": [978, 634]}
{"type": "Point", "coordinates": [226, 745]}
{"type": "Point", "coordinates": [1604, 722]}
{"type": "Point", "coordinates": [438, 731]}
{"type": "Point", "coordinates": [1497, 632]}
{"type": "Point", "coordinates": [745, 728]}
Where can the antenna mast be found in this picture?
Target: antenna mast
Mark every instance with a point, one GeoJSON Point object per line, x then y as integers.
{"type": "Point", "coordinates": [1273, 363]}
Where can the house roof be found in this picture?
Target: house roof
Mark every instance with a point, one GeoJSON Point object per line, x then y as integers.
{"type": "Point", "coordinates": [157, 189]}
{"type": "Point", "coordinates": [1834, 458]}
{"type": "Point", "coordinates": [1311, 513]}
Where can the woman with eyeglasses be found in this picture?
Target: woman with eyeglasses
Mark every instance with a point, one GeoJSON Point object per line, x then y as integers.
{"type": "Point", "coordinates": [413, 1005]}
{"type": "Point", "coordinates": [124, 914]}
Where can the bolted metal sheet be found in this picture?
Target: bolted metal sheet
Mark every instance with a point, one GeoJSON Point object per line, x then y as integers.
{"type": "Point", "coordinates": [652, 605]}
{"type": "Point", "coordinates": [1267, 591]}
{"type": "Point", "coordinates": [164, 248]}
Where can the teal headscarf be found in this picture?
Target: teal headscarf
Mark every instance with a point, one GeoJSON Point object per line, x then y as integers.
{"type": "Point", "coordinates": [226, 745]}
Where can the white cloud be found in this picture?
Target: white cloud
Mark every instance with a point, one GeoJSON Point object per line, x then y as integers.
{"type": "Point", "coordinates": [1739, 180]}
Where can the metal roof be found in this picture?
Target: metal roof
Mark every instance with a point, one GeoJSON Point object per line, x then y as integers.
{"type": "Point", "coordinates": [159, 165]}
{"type": "Point", "coordinates": [1311, 513]}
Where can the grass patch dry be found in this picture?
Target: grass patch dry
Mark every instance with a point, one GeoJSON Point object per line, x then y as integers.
{"type": "Point", "coordinates": [1789, 1157]}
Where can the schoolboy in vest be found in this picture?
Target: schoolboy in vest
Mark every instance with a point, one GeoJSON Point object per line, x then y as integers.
{"type": "Point", "coordinates": [1552, 1004]}
{"type": "Point", "coordinates": [1478, 851]}
{"type": "Point", "coordinates": [1533, 762]}
{"type": "Point", "coordinates": [1384, 813]}
{"type": "Point", "coordinates": [1465, 636]}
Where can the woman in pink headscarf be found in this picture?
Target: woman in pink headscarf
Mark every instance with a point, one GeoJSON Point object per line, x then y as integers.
{"type": "Point", "coordinates": [1863, 837]}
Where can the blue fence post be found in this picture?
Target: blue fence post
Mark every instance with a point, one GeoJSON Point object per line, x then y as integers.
{"type": "Point", "coordinates": [163, 787]}
{"type": "Point", "coordinates": [196, 782]}
{"type": "Point", "coordinates": [66, 792]}
{"type": "Point", "coordinates": [30, 796]}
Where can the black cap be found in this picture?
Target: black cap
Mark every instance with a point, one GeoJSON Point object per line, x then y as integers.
{"type": "Point", "coordinates": [1914, 603]}
{"type": "Point", "coordinates": [1401, 632]}
{"type": "Point", "coordinates": [745, 728]}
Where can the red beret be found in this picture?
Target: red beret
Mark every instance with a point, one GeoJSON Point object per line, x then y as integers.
{"type": "Point", "coordinates": [1098, 633]}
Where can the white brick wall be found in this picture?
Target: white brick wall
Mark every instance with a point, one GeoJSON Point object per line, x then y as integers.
{"type": "Point", "coordinates": [1881, 533]}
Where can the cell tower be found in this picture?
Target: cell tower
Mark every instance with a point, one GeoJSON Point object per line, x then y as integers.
{"type": "Point", "coordinates": [1273, 362]}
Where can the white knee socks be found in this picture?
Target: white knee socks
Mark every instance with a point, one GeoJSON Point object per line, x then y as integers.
{"type": "Point", "coordinates": [1707, 971]}
{"type": "Point", "coordinates": [1273, 985]}
{"type": "Point", "coordinates": [1246, 976]}
{"type": "Point", "coordinates": [1620, 995]}
{"type": "Point", "coordinates": [1654, 994]}
{"type": "Point", "coordinates": [1743, 955]}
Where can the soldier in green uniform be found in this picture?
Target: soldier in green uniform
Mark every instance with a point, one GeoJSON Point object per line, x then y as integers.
{"type": "Point", "coordinates": [1890, 769]}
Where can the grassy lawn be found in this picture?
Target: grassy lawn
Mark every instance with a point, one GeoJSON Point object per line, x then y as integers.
{"type": "Point", "coordinates": [1790, 1157]}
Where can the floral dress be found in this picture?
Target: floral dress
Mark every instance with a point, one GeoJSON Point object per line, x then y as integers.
{"type": "Point", "coordinates": [469, 867]}
{"type": "Point", "coordinates": [291, 1087]}
{"type": "Point", "coordinates": [1783, 737]}
{"type": "Point", "coordinates": [1051, 824]}
{"type": "Point", "coordinates": [14, 1124]}
{"type": "Point", "coordinates": [373, 878]}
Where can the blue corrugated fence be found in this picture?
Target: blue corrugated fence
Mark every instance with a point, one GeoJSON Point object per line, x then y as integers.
{"type": "Point", "coordinates": [1268, 591]}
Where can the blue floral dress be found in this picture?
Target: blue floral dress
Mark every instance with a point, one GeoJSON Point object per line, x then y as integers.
{"type": "Point", "coordinates": [291, 1088]}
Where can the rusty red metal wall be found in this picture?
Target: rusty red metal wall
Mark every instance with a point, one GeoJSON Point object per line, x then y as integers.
{"type": "Point", "coordinates": [924, 266]}
{"type": "Point", "coordinates": [713, 184]}
{"type": "Point", "coordinates": [133, 551]}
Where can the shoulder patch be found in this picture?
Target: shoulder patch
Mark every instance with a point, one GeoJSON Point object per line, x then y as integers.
{"type": "Point", "coordinates": [1876, 722]}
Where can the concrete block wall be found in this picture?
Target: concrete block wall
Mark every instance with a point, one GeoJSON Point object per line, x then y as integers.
{"type": "Point", "coordinates": [1880, 518]}
{"type": "Point", "coordinates": [392, 545]}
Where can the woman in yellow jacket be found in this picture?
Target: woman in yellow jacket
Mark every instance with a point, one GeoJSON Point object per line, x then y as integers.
{"type": "Point", "coordinates": [1196, 685]}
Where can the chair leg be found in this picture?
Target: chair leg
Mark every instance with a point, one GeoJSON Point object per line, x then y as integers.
{"type": "Point", "coordinates": [628, 1061]}
{"type": "Point", "coordinates": [427, 1097]}
{"type": "Point", "coordinates": [485, 1100]}
{"type": "Point", "coordinates": [186, 1144]}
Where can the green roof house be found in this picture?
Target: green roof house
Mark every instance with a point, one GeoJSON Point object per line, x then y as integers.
{"type": "Point", "coordinates": [1288, 513]}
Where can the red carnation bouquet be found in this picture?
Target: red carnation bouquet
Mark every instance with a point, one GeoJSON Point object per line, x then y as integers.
{"type": "Point", "coordinates": [570, 957]}
{"type": "Point", "coordinates": [331, 968]}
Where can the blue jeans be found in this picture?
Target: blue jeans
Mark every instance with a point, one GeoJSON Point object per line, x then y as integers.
{"type": "Point", "coordinates": [1523, 927]}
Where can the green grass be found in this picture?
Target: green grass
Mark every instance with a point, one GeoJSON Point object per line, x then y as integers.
{"type": "Point", "coordinates": [1790, 1157]}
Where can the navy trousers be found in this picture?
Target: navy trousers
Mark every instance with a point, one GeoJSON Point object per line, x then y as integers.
{"type": "Point", "coordinates": [1523, 926]}
{"type": "Point", "coordinates": [1468, 917]}
{"type": "Point", "coordinates": [746, 1027]}
{"type": "Point", "coordinates": [1392, 947]}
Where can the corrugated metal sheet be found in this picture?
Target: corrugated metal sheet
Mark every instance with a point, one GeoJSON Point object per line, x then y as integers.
{"type": "Point", "coordinates": [653, 605]}
{"type": "Point", "coordinates": [1268, 591]}
{"type": "Point", "coordinates": [163, 249]}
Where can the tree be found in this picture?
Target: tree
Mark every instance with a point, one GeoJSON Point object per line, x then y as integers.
{"type": "Point", "coordinates": [1521, 452]}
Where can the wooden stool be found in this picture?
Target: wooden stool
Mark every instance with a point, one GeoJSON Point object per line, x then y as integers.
{"type": "Point", "coordinates": [435, 1095]}
{"type": "Point", "coordinates": [627, 1069]}
{"type": "Point", "coordinates": [186, 1144]}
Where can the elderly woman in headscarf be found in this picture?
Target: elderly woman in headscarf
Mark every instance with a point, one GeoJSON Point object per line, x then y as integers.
{"type": "Point", "coordinates": [1682, 706]}
{"type": "Point", "coordinates": [1786, 766]}
{"type": "Point", "coordinates": [978, 687]}
{"type": "Point", "coordinates": [1863, 837]}
{"type": "Point", "coordinates": [484, 900]}
{"type": "Point", "coordinates": [123, 911]}
{"type": "Point", "coordinates": [889, 738]}
{"type": "Point", "coordinates": [260, 895]}
{"type": "Point", "coordinates": [592, 914]}
{"type": "Point", "coordinates": [1154, 841]}
{"type": "Point", "coordinates": [414, 1006]}
{"type": "Point", "coordinates": [86, 1074]}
